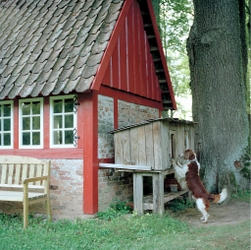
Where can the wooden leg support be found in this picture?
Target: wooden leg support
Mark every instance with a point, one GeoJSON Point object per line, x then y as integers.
{"type": "Point", "coordinates": [48, 209]}
{"type": "Point", "coordinates": [25, 213]}
{"type": "Point", "coordinates": [138, 193]}
{"type": "Point", "coordinates": [158, 193]}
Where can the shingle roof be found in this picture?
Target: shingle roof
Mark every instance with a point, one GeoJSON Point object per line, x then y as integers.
{"type": "Point", "coordinates": [52, 46]}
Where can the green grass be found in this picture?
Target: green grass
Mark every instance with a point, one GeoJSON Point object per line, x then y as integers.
{"type": "Point", "coordinates": [243, 195]}
{"type": "Point", "coordinates": [116, 229]}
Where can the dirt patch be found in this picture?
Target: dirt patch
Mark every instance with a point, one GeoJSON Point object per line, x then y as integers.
{"type": "Point", "coordinates": [233, 212]}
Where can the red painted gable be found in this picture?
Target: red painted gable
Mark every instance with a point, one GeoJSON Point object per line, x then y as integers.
{"type": "Point", "coordinates": [128, 64]}
{"type": "Point", "coordinates": [131, 66]}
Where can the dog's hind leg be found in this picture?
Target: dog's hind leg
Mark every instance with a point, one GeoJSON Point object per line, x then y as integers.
{"type": "Point", "coordinates": [202, 208]}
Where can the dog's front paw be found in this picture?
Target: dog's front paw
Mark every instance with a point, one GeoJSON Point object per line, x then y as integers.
{"type": "Point", "coordinates": [173, 162]}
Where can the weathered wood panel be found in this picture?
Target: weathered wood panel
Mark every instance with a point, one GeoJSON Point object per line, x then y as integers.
{"type": "Point", "coordinates": [157, 144]}
{"type": "Point", "coordinates": [165, 146]}
{"type": "Point", "coordinates": [133, 137]}
{"type": "Point", "coordinates": [141, 146]}
{"type": "Point", "coordinates": [122, 149]}
{"type": "Point", "coordinates": [138, 193]}
{"type": "Point", "coordinates": [158, 193]}
{"type": "Point", "coordinates": [149, 146]}
{"type": "Point", "coordinates": [153, 144]}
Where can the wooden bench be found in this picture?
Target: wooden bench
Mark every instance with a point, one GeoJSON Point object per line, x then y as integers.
{"type": "Point", "coordinates": [25, 179]}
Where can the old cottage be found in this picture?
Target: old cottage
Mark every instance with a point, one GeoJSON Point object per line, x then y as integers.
{"type": "Point", "coordinates": [70, 72]}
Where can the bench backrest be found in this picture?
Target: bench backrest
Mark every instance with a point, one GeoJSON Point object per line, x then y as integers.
{"type": "Point", "coordinates": [15, 169]}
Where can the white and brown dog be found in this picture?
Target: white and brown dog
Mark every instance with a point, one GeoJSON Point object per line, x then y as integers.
{"type": "Point", "coordinates": [186, 170]}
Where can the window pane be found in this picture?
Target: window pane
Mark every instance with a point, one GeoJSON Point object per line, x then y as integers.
{"type": "Point", "coordinates": [57, 137]}
{"type": "Point", "coordinates": [68, 137]}
{"type": "Point", "coordinates": [36, 108]}
{"type": "Point", "coordinates": [6, 110]}
{"type": "Point", "coordinates": [58, 106]}
{"type": "Point", "coordinates": [26, 123]}
{"type": "Point", "coordinates": [26, 138]}
{"type": "Point", "coordinates": [6, 125]}
{"type": "Point", "coordinates": [68, 105]}
{"type": "Point", "coordinates": [25, 108]}
{"type": "Point", "coordinates": [6, 139]}
{"type": "Point", "coordinates": [36, 122]}
{"type": "Point", "coordinates": [58, 121]}
{"type": "Point", "coordinates": [35, 138]}
{"type": "Point", "coordinates": [68, 121]}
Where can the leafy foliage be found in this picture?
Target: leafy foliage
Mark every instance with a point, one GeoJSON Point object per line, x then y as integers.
{"type": "Point", "coordinates": [116, 209]}
{"type": "Point", "coordinates": [179, 205]}
{"type": "Point", "coordinates": [243, 195]}
{"type": "Point", "coordinates": [175, 19]}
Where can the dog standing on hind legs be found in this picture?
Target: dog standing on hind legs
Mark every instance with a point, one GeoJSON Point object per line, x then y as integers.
{"type": "Point", "coordinates": [186, 169]}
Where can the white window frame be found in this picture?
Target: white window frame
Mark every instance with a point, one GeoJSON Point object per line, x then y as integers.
{"type": "Point", "coordinates": [52, 99]}
{"type": "Point", "coordinates": [41, 123]}
{"type": "Point", "coordinates": [11, 125]}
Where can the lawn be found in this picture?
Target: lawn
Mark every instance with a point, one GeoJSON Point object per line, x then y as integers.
{"type": "Point", "coordinates": [111, 230]}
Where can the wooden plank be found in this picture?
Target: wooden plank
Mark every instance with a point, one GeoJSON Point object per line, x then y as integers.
{"type": "Point", "coordinates": [122, 147]}
{"type": "Point", "coordinates": [21, 186]}
{"type": "Point", "coordinates": [17, 174]}
{"type": "Point", "coordinates": [180, 141]}
{"type": "Point", "coordinates": [141, 146]}
{"type": "Point", "coordinates": [4, 173]}
{"type": "Point", "coordinates": [157, 143]}
{"type": "Point", "coordinates": [10, 173]}
{"type": "Point", "coordinates": [165, 145]}
{"type": "Point", "coordinates": [31, 172]}
{"type": "Point", "coordinates": [19, 159]}
{"type": "Point", "coordinates": [158, 193]}
{"type": "Point", "coordinates": [125, 167]}
{"type": "Point", "coordinates": [122, 150]}
{"type": "Point", "coordinates": [126, 147]}
{"type": "Point", "coordinates": [24, 171]}
{"type": "Point", "coordinates": [148, 200]}
{"type": "Point", "coordinates": [149, 146]}
{"type": "Point", "coordinates": [172, 140]}
{"type": "Point", "coordinates": [134, 146]}
{"type": "Point", "coordinates": [171, 196]}
{"type": "Point", "coordinates": [138, 193]}
{"type": "Point", "coordinates": [39, 169]}
{"type": "Point", "coordinates": [18, 196]}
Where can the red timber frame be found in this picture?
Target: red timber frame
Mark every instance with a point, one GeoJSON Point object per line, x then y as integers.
{"type": "Point", "coordinates": [90, 147]}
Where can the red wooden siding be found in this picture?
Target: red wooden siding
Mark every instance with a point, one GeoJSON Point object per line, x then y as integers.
{"type": "Point", "coordinates": [131, 67]}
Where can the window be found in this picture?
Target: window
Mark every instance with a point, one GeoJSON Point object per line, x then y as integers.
{"type": "Point", "coordinates": [31, 123]}
{"type": "Point", "coordinates": [6, 124]}
{"type": "Point", "coordinates": [63, 121]}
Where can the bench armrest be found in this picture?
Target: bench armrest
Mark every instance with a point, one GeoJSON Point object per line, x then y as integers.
{"type": "Point", "coordinates": [40, 178]}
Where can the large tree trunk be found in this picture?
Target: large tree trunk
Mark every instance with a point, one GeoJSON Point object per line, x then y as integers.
{"type": "Point", "coordinates": [218, 61]}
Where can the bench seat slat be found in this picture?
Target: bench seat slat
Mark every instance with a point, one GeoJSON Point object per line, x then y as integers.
{"type": "Point", "coordinates": [20, 186]}
{"type": "Point", "coordinates": [4, 173]}
{"type": "Point", "coordinates": [18, 173]}
{"type": "Point", "coordinates": [18, 196]}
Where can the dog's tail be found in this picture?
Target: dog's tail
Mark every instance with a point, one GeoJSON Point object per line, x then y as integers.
{"type": "Point", "coordinates": [218, 198]}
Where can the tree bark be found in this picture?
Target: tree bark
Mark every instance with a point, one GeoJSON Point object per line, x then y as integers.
{"type": "Point", "coordinates": [218, 62]}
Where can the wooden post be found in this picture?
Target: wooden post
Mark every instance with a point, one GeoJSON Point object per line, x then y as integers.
{"type": "Point", "coordinates": [158, 193]}
{"type": "Point", "coordinates": [138, 193]}
{"type": "Point", "coordinates": [90, 145]}
{"type": "Point", "coordinates": [25, 206]}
